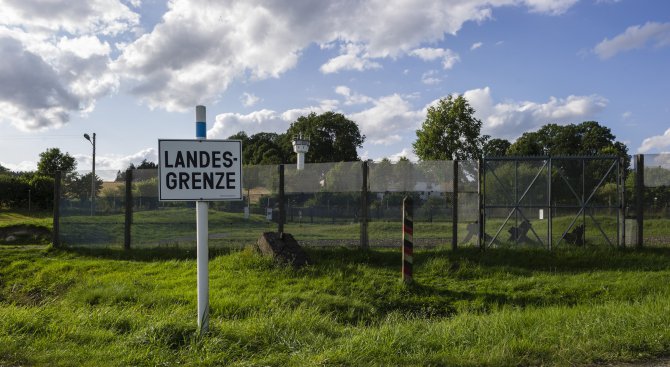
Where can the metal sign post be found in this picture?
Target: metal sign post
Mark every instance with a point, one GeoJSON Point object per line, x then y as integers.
{"type": "Point", "coordinates": [200, 170]}
{"type": "Point", "coordinates": [202, 229]}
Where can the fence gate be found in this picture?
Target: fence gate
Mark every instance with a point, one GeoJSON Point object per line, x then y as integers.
{"type": "Point", "coordinates": [552, 201]}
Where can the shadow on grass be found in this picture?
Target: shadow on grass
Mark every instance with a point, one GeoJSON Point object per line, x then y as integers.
{"type": "Point", "coordinates": [566, 260]}
{"type": "Point", "coordinates": [144, 254]}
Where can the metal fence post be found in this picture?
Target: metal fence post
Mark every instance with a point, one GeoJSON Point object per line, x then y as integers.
{"type": "Point", "coordinates": [623, 199]}
{"type": "Point", "coordinates": [282, 208]}
{"type": "Point", "coordinates": [639, 198]}
{"type": "Point", "coordinates": [550, 207]}
{"type": "Point", "coordinates": [481, 191]}
{"type": "Point", "coordinates": [407, 239]}
{"type": "Point", "coordinates": [454, 209]}
{"type": "Point", "coordinates": [364, 207]}
{"type": "Point", "coordinates": [56, 211]}
{"type": "Point", "coordinates": [128, 209]}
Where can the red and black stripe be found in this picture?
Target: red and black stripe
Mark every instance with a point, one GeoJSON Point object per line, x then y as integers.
{"type": "Point", "coordinates": [407, 239]}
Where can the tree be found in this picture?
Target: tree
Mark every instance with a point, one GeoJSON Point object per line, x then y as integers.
{"type": "Point", "coordinates": [261, 148]}
{"type": "Point", "coordinates": [121, 176]}
{"type": "Point", "coordinates": [450, 132]}
{"type": "Point", "coordinates": [79, 187]}
{"type": "Point", "coordinates": [147, 165]}
{"type": "Point", "coordinates": [496, 147]}
{"type": "Point", "coordinates": [3, 169]}
{"type": "Point", "coordinates": [53, 160]}
{"type": "Point", "coordinates": [332, 138]}
{"type": "Point", "coordinates": [145, 170]}
{"type": "Point", "coordinates": [587, 138]}
{"type": "Point", "coordinates": [527, 145]}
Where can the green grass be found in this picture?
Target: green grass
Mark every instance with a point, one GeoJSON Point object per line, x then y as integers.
{"type": "Point", "coordinates": [10, 218]}
{"type": "Point", "coordinates": [501, 307]}
{"type": "Point", "coordinates": [176, 227]}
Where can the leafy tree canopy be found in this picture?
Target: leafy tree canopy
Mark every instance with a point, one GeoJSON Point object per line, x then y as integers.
{"type": "Point", "coordinates": [496, 147]}
{"type": "Point", "coordinates": [261, 148]}
{"type": "Point", "coordinates": [587, 138]}
{"type": "Point", "coordinates": [145, 164]}
{"type": "Point", "coordinates": [79, 187]}
{"type": "Point", "coordinates": [53, 160]}
{"type": "Point", "coordinates": [450, 131]}
{"type": "Point", "coordinates": [332, 138]}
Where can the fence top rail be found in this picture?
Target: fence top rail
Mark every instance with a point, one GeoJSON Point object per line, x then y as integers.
{"type": "Point", "coordinates": [546, 157]}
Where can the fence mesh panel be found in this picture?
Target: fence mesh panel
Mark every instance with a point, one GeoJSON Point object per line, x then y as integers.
{"type": "Point", "coordinates": [656, 199]}
{"type": "Point", "coordinates": [468, 203]}
{"type": "Point", "coordinates": [429, 183]}
{"type": "Point", "coordinates": [86, 222]}
{"type": "Point", "coordinates": [543, 202]}
{"type": "Point", "coordinates": [323, 204]}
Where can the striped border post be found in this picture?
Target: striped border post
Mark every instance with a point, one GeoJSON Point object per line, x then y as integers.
{"type": "Point", "coordinates": [407, 239]}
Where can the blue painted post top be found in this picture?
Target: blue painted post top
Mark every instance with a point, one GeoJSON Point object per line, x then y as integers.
{"type": "Point", "coordinates": [200, 122]}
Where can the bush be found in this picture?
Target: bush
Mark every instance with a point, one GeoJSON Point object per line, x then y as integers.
{"type": "Point", "coordinates": [17, 189]}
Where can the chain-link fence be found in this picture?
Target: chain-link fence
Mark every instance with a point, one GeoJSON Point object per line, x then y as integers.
{"type": "Point", "coordinates": [538, 202]}
{"type": "Point", "coordinates": [654, 198]}
{"type": "Point", "coordinates": [429, 183]}
{"type": "Point", "coordinates": [553, 201]}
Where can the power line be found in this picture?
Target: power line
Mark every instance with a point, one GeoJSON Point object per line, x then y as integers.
{"type": "Point", "coordinates": [41, 137]}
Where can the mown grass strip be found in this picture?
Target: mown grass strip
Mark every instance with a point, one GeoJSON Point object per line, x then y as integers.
{"type": "Point", "coordinates": [469, 308]}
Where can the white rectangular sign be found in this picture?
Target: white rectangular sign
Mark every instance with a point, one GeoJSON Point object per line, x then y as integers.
{"type": "Point", "coordinates": [193, 170]}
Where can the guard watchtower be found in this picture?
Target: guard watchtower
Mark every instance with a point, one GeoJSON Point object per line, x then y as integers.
{"type": "Point", "coordinates": [300, 146]}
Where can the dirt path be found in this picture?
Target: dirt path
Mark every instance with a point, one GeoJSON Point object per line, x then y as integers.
{"type": "Point", "coordinates": [663, 362]}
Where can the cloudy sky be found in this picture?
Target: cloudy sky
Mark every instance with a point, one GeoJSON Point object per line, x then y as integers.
{"type": "Point", "coordinates": [132, 71]}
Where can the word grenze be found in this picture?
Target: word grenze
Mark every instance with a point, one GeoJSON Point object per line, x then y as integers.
{"type": "Point", "coordinates": [196, 180]}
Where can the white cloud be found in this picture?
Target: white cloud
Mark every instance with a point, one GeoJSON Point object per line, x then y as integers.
{"type": "Point", "coordinates": [40, 84]}
{"type": "Point", "coordinates": [353, 58]}
{"type": "Point", "coordinates": [384, 123]}
{"type": "Point", "coordinates": [54, 62]}
{"type": "Point", "coordinates": [106, 165]}
{"type": "Point", "coordinates": [350, 97]}
{"type": "Point", "coordinates": [430, 77]}
{"type": "Point", "coordinates": [657, 142]}
{"type": "Point", "coordinates": [626, 115]}
{"type": "Point", "coordinates": [106, 17]}
{"type": "Point", "coordinates": [392, 119]}
{"type": "Point", "coordinates": [428, 54]}
{"type": "Point", "coordinates": [325, 105]}
{"type": "Point", "coordinates": [249, 100]}
{"type": "Point", "coordinates": [635, 37]}
{"type": "Point", "coordinates": [227, 124]}
{"type": "Point", "coordinates": [23, 166]}
{"type": "Point", "coordinates": [476, 45]}
{"type": "Point", "coordinates": [449, 57]}
{"type": "Point", "coordinates": [61, 49]}
{"type": "Point", "coordinates": [200, 46]}
{"type": "Point", "coordinates": [510, 119]}
{"type": "Point", "coordinates": [406, 153]}
{"type": "Point", "coordinates": [554, 7]}
{"type": "Point", "coordinates": [84, 47]}
{"type": "Point", "coordinates": [387, 120]}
